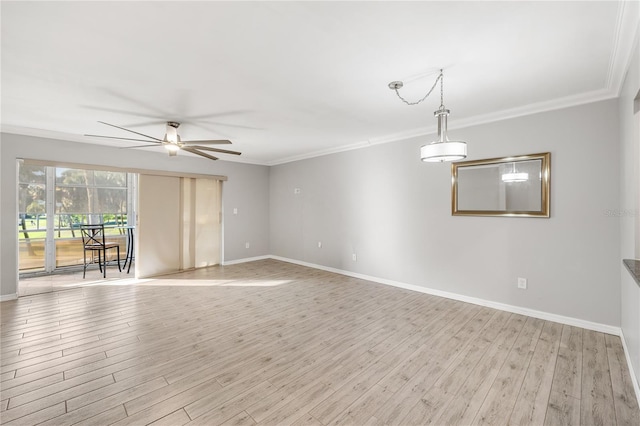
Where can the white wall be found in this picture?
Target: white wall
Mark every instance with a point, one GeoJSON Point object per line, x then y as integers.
{"type": "Point", "coordinates": [247, 188]}
{"type": "Point", "coordinates": [628, 211]}
{"type": "Point", "coordinates": [393, 211]}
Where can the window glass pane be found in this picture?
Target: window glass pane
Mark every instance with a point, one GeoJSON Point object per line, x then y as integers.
{"type": "Point", "coordinates": [32, 174]}
{"type": "Point", "coordinates": [110, 179]}
{"type": "Point", "coordinates": [32, 218]}
{"type": "Point", "coordinates": [31, 256]}
{"type": "Point", "coordinates": [31, 225]}
{"type": "Point", "coordinates": [111, 200]}
{"type": "Point", "coordinates": [74, 177]}
{"type": "Point", "coordinates": [74, 199]}
{"type": "Point", "coordinates": [67, 225]}
{"type": "Point", "coordinates": [31, 198]}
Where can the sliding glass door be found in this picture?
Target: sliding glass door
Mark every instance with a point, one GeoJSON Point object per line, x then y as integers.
{"type": "Point", "coordinates": [55, 201]}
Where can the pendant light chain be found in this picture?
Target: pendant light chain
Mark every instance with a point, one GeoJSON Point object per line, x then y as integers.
{"type": "Point", "coordinates": [440, 78]}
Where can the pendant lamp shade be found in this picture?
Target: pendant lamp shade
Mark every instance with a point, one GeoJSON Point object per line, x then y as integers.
{"type": "Point", "coordinates": [443, 149]}
{"type": "Point", "coordinates": [441, 152]}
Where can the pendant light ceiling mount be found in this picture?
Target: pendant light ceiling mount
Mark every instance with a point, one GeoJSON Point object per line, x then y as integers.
{"type": "Point", "coordinates": [442, 149]}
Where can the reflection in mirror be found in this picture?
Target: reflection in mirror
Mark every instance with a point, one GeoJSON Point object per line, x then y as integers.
{"type": "Point", "coordinates": [512, 186]}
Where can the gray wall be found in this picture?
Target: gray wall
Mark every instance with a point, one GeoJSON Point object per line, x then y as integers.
{"type": "Point", "coordinates": [393, 211]}
{"type": "Point", "coordinates": [627, 213]}
{"type": "Point", "coordinates": [247, 189]}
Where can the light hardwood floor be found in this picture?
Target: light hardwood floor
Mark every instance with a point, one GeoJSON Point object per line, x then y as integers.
{"type": "Point", "coordinates": [273, 343]}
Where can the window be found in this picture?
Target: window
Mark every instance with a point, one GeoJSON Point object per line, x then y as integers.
{"type": "Point", "coordinates": [69, 197]}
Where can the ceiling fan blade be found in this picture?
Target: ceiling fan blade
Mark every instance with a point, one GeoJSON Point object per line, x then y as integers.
{"type": "Point", "coordinates": [159, 117]}
{"type": "Point", "coordinates": [124, 139]}
{"type": "Point", "coordinates": [132, 131]}
{"type": "Point", "coordinates": [208, 142]}
{"type": "Point", "coordinates": [217, 114]}
{"type": "Point", "coordinates": [206, 148]}
{"type": "Point", "coordinates": [195, 151]}
{"type": "Point", "coordinates": [139, 146]}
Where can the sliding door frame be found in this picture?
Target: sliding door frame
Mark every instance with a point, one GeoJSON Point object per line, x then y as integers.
{"type": "Point", "coordinates": [132, 213]}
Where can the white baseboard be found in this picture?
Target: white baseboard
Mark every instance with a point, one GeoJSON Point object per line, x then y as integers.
{"type": "Point", "coordinates": [6, 297]}
{"type": "Point", "coordinates": [246, 259]}
{"type": "Point", "coordinates": [634, 379]}
{"type": "Point", "coordinates": [603, 328]}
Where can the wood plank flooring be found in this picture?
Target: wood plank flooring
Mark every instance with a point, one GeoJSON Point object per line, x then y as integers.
{"type": "Point", "coordinates": [272, 343]}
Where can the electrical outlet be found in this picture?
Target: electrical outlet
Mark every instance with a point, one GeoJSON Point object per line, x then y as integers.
{"type": "Point", "coordinates": [297, 191]}
{"type": "Point", "coordinates": [247, 245]}
{"type": "Point", "coordinates": [319, 244]}
{"type": "Point", "coordinates": [354, 257]}
{"type": "Point", "coordinates": [522, 283]}
{"type": "Point", "coordinates": [235, 210]}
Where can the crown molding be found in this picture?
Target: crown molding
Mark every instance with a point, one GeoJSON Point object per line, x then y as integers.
{"type": "Point", "coordinates": [320, 153]}
{"type": "Point", "coordinates": [48, 134]}
{"type": "Point", "coordinates": [539, 107]}
{"type": "Point", "coordinates": [626, 37]}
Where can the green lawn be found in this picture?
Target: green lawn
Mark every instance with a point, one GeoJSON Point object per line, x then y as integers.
{"type": "Point", "coordinates": [35, 233]}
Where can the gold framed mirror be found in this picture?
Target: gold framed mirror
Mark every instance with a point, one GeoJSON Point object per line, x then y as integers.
{"type": "Point", "coordinates": [510, 186]}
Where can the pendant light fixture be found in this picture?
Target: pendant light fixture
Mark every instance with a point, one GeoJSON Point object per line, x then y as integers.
{"type": "Point", "coordinates": [443, 149]}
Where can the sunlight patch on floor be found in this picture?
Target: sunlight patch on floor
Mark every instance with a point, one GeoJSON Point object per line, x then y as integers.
{"type": "Point", "coordinates": [48, 284]}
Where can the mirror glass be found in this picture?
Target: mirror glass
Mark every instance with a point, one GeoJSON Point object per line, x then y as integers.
{"type": "Point", "coordinates": [510, 186]}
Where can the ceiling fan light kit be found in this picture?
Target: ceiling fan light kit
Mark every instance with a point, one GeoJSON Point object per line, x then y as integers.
{"type": "Point", "coordinates": [172, 149]}
{"type": "Point", "coordinates": [442, 149]}
{"type": "Point", "coordinates": [172, 139]}
{"type": "Point", "coordinates": [172, 142]}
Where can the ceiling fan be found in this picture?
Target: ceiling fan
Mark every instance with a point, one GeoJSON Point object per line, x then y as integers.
{"type": "Point", "coordinates": [172, 142]}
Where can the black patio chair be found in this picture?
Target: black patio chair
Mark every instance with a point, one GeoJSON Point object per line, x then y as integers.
{"type": "Point", "coordinates": [93, 241]}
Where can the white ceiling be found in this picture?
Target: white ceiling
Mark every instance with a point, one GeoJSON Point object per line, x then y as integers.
{"type": "Point", "coordinates": [289, 80]}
